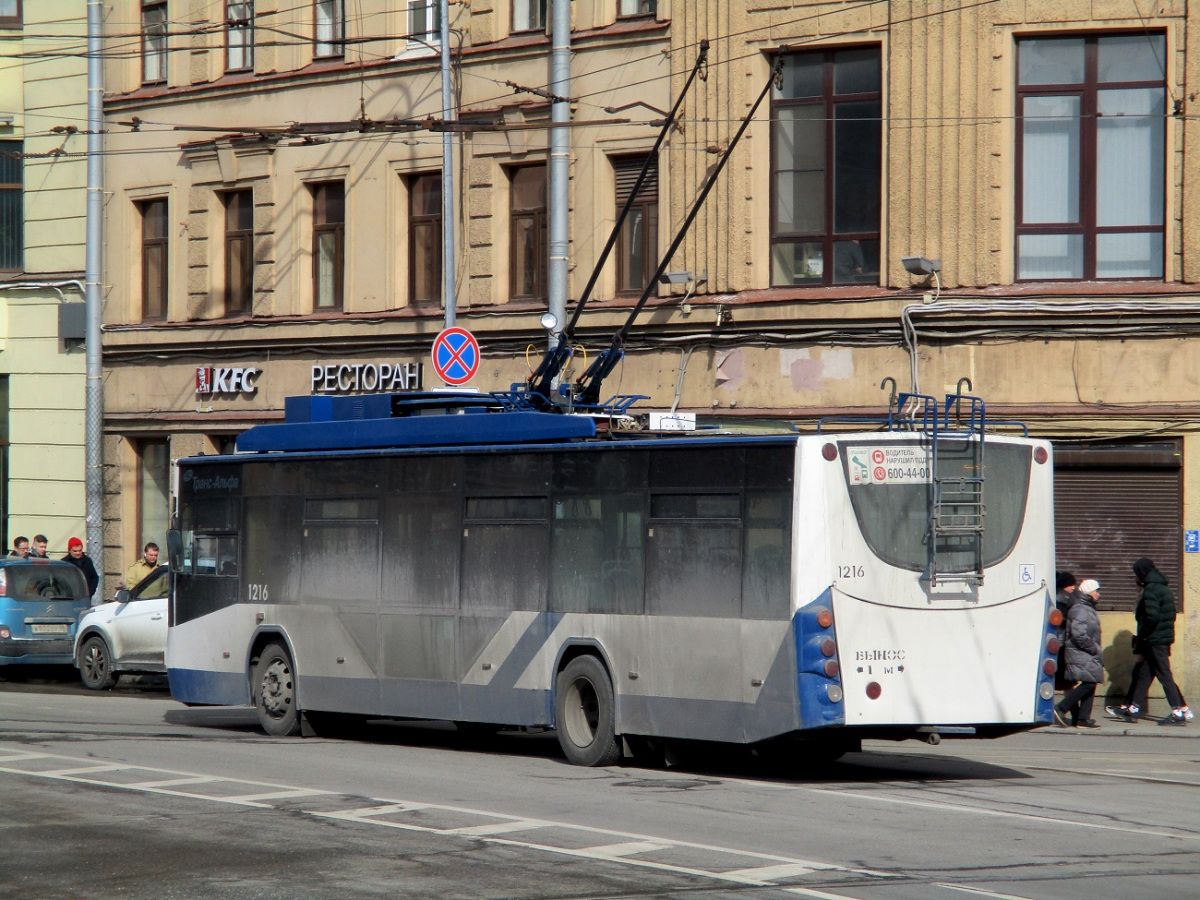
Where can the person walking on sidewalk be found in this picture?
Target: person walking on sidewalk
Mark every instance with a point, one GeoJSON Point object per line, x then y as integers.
{"type": "Point", "coordinates": [1155, 617]}
{"type": "Point", "coordinates": [1082, 653]}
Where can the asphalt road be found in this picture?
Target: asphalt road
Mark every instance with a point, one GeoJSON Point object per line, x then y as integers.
{"type": "Point", "coordinates": [129, 794]}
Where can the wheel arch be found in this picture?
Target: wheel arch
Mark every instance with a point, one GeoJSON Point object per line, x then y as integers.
{"type": "Point", "coordinates": [577, 647]}
{"type": "Point", "coordinates": [84, 636]}
{"type": "Point", "coordinates": [259, 641]}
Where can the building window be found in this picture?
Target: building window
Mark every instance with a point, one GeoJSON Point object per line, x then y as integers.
{"type": "Point", "coordinates": [12, 206]}
{"type": "Point", "coordinates": [154, 492]}
{"type": "Point", "coordinates": [154, 41]}
{"type": "Point", "coordinates": [329, 244]}
{"type": "Point", "coordinates": [637, 244]}
{"type": "Point", "coordinates": [239, 252]}
{"type": "Point", "coordinates": [1091, 157]}
{"type": "Point", "coordinates": [827, 168]}
{"type": "Point", "coordinates": [330, 28]}
{"type": "Point", "coordinates": [425, 239]}
{"type": "Point", "coordinates": [10, 13]}
{"type": "Point", "coordinates": [425, 21]}
{"type": "Point", "coordinates": [154, 259]}
{"type": "Point", "coordinates": [629, 8]}
{"type": "Point", "coordinates": [529, 15]}
{"type": "Point", "coordinates": [527, 229]}
{"type": "Point", "coordinates": [239, 35]}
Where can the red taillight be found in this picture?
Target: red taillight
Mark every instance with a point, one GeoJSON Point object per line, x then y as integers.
{"type": "Point", "coordinates": [1049, 667]}
{"type": "Point", "coordinates": [828, 647]}
{"type": "Point", "coordinates": [824, 618]}
{"type": "Point", "coordinates": [832, 669]}
{"type": "Point", "coordinates": [829, 451]}
{"type": "Point", "coordinates": [874, 690]}
{"type": "Point", "coordinates": [1040, 455]}
{"type": "Point", "coordinates": [1052, 645]}
{"type": "Point", "coordinates": [1056, 617]}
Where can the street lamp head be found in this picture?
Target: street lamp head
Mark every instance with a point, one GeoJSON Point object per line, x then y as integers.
{"type": "Point", "coordinates": [920, 265]}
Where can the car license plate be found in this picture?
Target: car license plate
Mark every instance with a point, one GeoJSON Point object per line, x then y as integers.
{"type": "Point", "coordinates": [47, 629]}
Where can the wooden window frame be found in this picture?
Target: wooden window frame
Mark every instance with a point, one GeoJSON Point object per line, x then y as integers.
{"type": "Point", "coordinates": [338, 29]}
{"type": "Point", "coordinates": [239, 242]}
{"type": "Point", "coordinates": [161, 55]}
{"type": "Point", "coordinates": [158, 244]}
{"type": "Point", "coordinates": [647, 205]}
{"type": "Point", "coordinates": [1088, 92]}
{"type": "Point", "coordinates": [415, 221]}
{"type": "Point", "coordinates": [829, 236]}
{"type": "Point", "coordinates": [640, 14]}
{"type": "Point", "coordinates": [539, 9]}
{"type": "Point", "coordinates": [247, 49]}
{"type": "Point", "coordinates": [323, 225]}
{"type": "Point", "coordinates": [14, 21]}
{"type": "Point", "coordinates": [539, 218]}
{"type": "Point", "coordinates": [18, 188]}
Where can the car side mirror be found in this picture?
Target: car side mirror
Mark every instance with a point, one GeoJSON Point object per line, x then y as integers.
{"type": "Point", "coordinates": [122, 596]}
{"type": "Point", "coordinates": [175, 550]}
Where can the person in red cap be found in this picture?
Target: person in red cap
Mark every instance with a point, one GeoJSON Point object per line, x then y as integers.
{"type": "Point", "coordinates": [80, 560]}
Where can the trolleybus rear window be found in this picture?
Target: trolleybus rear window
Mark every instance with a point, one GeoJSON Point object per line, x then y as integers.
{"type": "Point", "coordinates": [893, 506]}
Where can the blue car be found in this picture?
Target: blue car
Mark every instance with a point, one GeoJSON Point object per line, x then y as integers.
{"type": "Point", "coordinates": [40, 604]}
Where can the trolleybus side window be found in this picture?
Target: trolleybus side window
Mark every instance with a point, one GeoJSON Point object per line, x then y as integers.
{"type": "Point", "coordinates": [766, 576]}
{"type": "Point", "coordinates": [598, 560]}
{"type": "Point", "coordinates": [341, 550]}
{"type": "Point", "coordinates": [506, 534]}
{"type": "Point", "coordinates": [422, 524]}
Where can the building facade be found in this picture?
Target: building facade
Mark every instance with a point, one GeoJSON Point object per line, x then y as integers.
{"type": "Point", "coordinates": [985, 197]}
{"type": "Point", "coordinates": [43, 99]}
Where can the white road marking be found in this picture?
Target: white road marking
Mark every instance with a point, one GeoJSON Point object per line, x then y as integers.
{"type": "Point", "coordinates": [620, 848]}
{"type": "Point", "coordinates": [980, 892]}
{"type": "Point", "coordinates": [1000, 813]}
{"type": "Point", "coordinates": [820, 895]}
{"type": "Point", "coordinates": [88, 770]}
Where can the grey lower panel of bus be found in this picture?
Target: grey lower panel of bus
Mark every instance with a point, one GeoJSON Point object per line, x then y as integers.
{"type": "Point", "coordinates": [769, 709]}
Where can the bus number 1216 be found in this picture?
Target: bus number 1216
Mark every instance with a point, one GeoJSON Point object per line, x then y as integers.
{"type": "Point", "coordinates": [256, 593]}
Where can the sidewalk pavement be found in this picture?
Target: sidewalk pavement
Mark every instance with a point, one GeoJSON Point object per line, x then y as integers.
{"type": "Point", "coordinates": [1144, 727]}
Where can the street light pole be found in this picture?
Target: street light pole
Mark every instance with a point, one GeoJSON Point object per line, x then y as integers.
{"type": "Point", "coordinates": [448, 257]}
{"type": "Point", "coordinates": [93, 310]}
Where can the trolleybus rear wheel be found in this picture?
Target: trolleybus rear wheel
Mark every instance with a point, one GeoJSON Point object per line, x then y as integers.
{"type": "Point", "coordinates": [585, 713]}
{"type": "Point", "coordinates": [275, 692]}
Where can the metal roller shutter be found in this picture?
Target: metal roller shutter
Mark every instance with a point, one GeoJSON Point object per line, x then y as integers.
{"type": "Point", "coordinates": [1106, 517]}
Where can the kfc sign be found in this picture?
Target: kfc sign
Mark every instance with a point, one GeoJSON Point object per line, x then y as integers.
{"type": "Point", "coordinates": [213, 380]}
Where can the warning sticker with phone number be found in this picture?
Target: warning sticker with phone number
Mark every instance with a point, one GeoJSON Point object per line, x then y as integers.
{"type": "Point", "coordinates": [889, 465]}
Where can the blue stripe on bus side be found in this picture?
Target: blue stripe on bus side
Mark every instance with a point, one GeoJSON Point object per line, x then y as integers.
{"type": "Point", "coordinates": [817, 710]}
{"type": "Point", "coordinates": [1045, 708]}
{"type": "Point", "coordinates": [209, 688]}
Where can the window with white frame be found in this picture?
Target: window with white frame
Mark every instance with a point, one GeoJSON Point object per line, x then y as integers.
{"type": "Point", "coordinates": [529, 15]}
{"type": "Point", "coordinates": [330, 31]}
{"type": "Point", "coordinates": [1091, 157]}
{"type": "Point", "coordinates": [425, 21]}
{"type": "Point", "coordinates": [239, 35]}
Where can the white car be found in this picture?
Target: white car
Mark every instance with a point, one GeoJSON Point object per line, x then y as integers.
{"type": "Point", "coordinates": [128, 634]}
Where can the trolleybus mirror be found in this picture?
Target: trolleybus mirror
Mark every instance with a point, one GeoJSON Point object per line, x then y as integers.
{"type": "Point", "coordinates": [175, 550]}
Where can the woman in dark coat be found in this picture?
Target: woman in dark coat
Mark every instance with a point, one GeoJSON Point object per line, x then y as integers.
{"type": "Point", "coordinates": [1082, 657]}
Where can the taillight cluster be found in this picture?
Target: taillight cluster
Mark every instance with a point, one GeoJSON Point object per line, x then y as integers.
{"type": "Point", "coordinates": [830, 667]}
{"type": "Point", "coordinates": [1054, 619]}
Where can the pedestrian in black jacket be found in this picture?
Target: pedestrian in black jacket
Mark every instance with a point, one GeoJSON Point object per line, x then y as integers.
{"type": "Point", "coordinates": [80, 560]}
{"type": "Point", "coordinates": [1155, 617]}
{"type": "Point", "coordinates": [1082, 653]}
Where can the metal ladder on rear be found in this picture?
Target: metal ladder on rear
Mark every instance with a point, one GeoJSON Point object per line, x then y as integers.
{"type": "Point", "coordinates": [956, 504]}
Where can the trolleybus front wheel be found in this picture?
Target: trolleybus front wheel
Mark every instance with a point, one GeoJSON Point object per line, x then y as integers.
{"type": "Point", "coordinates": [275, 692]}
{"type": "Point", "coordinates": [585, 713]}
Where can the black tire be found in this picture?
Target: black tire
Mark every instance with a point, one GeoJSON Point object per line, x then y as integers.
{"type": "Point", "coordinates": [275, 692]}
{"type": "Point", "coordinates": [585, 713]}
{"type": "Point", "coordinates": [95, 664]}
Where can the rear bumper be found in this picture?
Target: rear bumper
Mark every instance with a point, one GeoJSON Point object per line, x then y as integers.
{"type": "Point", "coordinates": [22, 651]}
